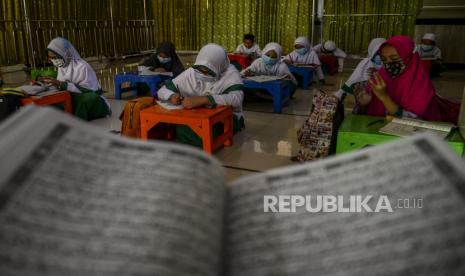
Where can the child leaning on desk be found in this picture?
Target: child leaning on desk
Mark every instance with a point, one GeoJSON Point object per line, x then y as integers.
{"type": "Point", "coordinates": [304, 54]}
{"type": "Point", "coordinates": [211, 81]}
{"type": "Point", "coordinates": [270, 64]}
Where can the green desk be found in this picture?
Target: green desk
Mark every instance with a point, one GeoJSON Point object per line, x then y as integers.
{"type": "Point", "coordinates": [358, 131]}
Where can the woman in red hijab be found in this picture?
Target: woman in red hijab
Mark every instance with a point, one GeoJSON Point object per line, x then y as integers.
{"type": "Point", "coordinates": [402, 87]}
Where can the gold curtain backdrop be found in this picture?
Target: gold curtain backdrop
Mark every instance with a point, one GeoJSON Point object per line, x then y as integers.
{"type": "Point", "coordinates": [353, 23]}
{"type": "Point", "coordinates": [192, 23]}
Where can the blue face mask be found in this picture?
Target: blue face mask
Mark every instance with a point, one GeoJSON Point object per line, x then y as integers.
{"type": "Point", "coordinates": [163, 60]}
{"type": "Point", "coordinates": [202, 77]}
{"type": "Point", "coordinates": [269, 61]}
{"type": "Point", "coordinates": [377, 61]}
{"type": "Point", "coordinates": [301, 51]}
{"type": "Point", "coordinates": [426, 47]}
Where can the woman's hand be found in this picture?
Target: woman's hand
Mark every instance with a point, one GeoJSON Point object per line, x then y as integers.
{"type": "Point", "coordinates": [193, 102]}
{"type": "Point", "coordinates": [379, 86]}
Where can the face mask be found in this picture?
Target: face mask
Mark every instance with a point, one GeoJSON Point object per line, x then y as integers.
{"type": "Point", "coordinates": [163, 60]}
{"type": "Point", "coordinates": [377, 61]}
{"type": "Point", "coordinates": [202, 77]}
{"type": "Point", "coordinates": [301, 51]}
{"type": "Point", "coordinates": [426, 47]}
{"type": "Point", "coordinates": [394, 68]}
{"type": "Point", "coordinates": [58, 62]}
{"type": "Point", "coordinates": [269, 61]}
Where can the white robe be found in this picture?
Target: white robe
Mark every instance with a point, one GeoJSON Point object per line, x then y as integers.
{"type": "Point", "coordinates": [255, 49]}
{"type": "Point", "coordinates": [214, 58]}
{"type": "Point", "coordinates": [258, 67]}
{"type": "Point", "coordinates": [434, 53]}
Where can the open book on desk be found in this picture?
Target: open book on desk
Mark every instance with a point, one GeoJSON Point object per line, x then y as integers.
{"type": "Point", "coordinates": [407, 126]}
{"type": "Point", "coordinates": [75, 200]}
{"type": "Point", "coordinates": [264, 78]}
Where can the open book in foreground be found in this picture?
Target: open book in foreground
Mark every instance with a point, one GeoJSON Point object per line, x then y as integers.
{"type": "Point", "coordinates": [78, 201]}
{"type": "Point", "coordinates": [407, 126]}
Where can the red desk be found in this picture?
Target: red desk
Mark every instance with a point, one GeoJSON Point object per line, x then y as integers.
{"type": "Point", "coordinates": [51, 99]}
{"type": "Point", "coordinates": [243, 60]}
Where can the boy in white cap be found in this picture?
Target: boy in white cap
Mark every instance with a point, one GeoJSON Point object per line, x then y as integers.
{"type": "Point", "coordinates": [428, 50]}
{"type": "Point", "coordinates": [331, 56]}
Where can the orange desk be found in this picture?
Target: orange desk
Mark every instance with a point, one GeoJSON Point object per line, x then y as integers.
{"type": "Point", "coordinates": [50, 99]}
{"type": "Point", "coordinates": [200, 120]}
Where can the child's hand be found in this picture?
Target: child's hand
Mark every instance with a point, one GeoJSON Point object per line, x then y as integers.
{"type": "Point", "coordinates": [175, 99]}
{"type": "Point", "coordinates": [378, 85]}
{"type": "Point", "coordinates": [50, 81]}
{"type": "Point", "coordinates": [363, 98]}
{"type": "Point", "coordinates": [288, 62]}
{"type": "Point", "coordinates": [249, 73]}
{"type": "Point", "coordinates": [159, 70]}
{"type": "Point", "coordinates": [193, 102]}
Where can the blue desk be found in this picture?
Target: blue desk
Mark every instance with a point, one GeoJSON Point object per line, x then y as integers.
{"type": "Point", "coordinates": [133, 77]}
{"type": "Point", "coordinates": [279, 90]}
{"type": "Point", "coordinates": [305, 72]}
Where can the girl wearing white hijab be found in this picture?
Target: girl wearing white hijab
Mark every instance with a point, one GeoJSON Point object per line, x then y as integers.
{"type": "Point", "coordinates": [364, 69]}
{"type": "Point", "coordinates": [77, 76]}
{"type": "Point", "coordinates": [304, 54]}
{"type": "Point", "coordinates": [329, 48]}
{"type": "Point", "coordinates": [211, 81]}
{"type": "Point", "coordinates": [270, 64]}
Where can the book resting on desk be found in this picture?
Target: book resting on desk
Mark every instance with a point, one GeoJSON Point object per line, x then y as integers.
{"type": "Point", "coordinates": [75, 200]}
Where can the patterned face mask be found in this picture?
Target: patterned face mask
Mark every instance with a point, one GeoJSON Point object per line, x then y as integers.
{"type": "Point", "coordinates": [394, 68]}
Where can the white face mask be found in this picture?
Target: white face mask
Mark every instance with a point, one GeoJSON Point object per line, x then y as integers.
{"type": "Point", "coordinates": [202, 77]}
{"type": "Point", "coordinates": [58, 62]}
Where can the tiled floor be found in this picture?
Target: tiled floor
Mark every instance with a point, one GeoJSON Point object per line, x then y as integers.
{"type": "Point", "coordinates": [270, 139]}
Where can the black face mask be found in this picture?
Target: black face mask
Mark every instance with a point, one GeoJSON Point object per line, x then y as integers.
{"type": "Point", "coordinates": [394, 68]}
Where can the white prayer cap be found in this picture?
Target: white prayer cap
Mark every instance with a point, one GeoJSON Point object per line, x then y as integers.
{"type": "Point", "coordinates": [429, 36]}
{"type": "Point", "coordinates": [329, 45]}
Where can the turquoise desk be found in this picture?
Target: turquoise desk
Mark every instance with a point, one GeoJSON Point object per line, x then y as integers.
{"type": "Point", "coordinates": [359, 131]}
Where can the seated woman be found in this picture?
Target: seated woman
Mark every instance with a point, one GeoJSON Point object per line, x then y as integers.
{"type": "Point", "coordinates": [77, 76]}
{"type": "Point", "coordinates": [211, 81]}
{"type": "Point", "coordinates": [270, 64]}
{"type": "Point", "coordinates": [330, 56]}
{"type": "Point", "coordinates": [402, 86]}
{"type": "Point", "coordinates": [429, 50]}
{"type": "Point", "coordinates": [364, 70]}
{"type": "Point", "coordinates": [164, 60]}
{"type": "Point", "coordinates": [304, 54]}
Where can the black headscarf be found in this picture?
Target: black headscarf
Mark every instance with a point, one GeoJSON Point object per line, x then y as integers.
{"type": "Point", "coordinates": [175, 65]}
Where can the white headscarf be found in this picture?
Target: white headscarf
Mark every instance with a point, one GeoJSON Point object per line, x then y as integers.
{"type": "Point", "coordinates": [64, 48]}
{"type": "Point", "coordinates": [330, 45]}
{"type": "Point", "coordinates": [430, 36]}
{"type": "Point", "coordinates": [310, 56]}
{"type": "Point", "coordinates": [214, 57]}
{"type": "Point", "coordinates": [302, 40]}
{"type": "Point", "coordinates": [362, 71]}
{"type": "Point", "coordinates": [76, 71]}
